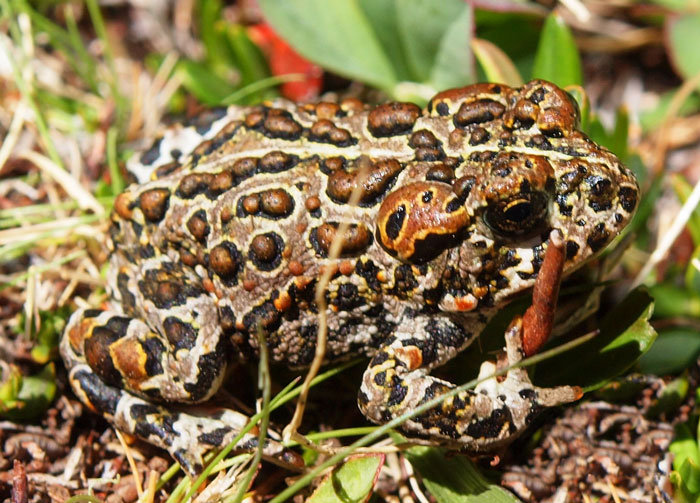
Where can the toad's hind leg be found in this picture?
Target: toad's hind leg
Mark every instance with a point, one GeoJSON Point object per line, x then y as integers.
{"type": "Point", "coordinates": [107, 353]}
{"type": "Point", "coordinates": [482, 419]}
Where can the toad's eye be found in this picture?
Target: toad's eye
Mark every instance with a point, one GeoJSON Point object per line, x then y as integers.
{"type": "Point", "coordinates": [519, 215]}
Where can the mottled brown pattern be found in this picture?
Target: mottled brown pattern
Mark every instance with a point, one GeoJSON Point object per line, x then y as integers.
{"type": "Point", "coordinates": [229, 236]}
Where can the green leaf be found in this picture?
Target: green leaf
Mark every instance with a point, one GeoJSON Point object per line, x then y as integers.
{"type": "Point", "coordinates": [690, 474]}
{"type": "Point", "coordinates": [335, 34]}
{"type": "Point", "coordinates": [684, 446]}
{"type": "Point", "coordinates": [674, 350]}
{"type": "Point", "coordinates": [683, 35]}
{"type": "Point", "coordinates": [453, 65]}
{"type": "Point", "coordinates": [351, 482]}
{"type": "Point", "coordinates": [625, 335]}
{"type": "Point", "coordinates": [557, 59]}
{"type": "Point", "coordinates": [454, 479]}
{"type": "Point", "coordinates": [206, 85]}
{"type": "Point", "coordinates": [672, 301]}
{"type": "Point", "coordinates": [427, 28]}
{"type": "Point", "coordinates": [382, 15]}
{"type": "Point", "coordinates": [495, 63]}
{"type": "Point", "coordinates": [24, 398]}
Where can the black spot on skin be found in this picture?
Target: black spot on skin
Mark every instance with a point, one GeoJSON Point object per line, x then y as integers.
{"type": "Point", "coordinates": [379, 358]}
{"type": "Point", "coordinates": [538, 95]}
{"type": "Point", "coordinates": [508, 260]}
{"type": "Point", "coordinates": [154, 350]}
{"type": "Point", "coordinates": [175, 153]}
{"type": "Point", "coordinates": [162, 427]}
{"type": "Point", "coordinates": [214, 438]}
{"type": "Point", "coordinates": [540, 142]}
{"type": "Point", "coordinates": [492, 426]}
{"type": "Point", "coordinates": [442, 109]}
{"type": "Point", "coordinates": [427, 196]}
{"type": "Point", "coordinates": [398, 392]}
{"type": "Point", "coordinates": [628, 198]}
{"type": "Point", "coordinates": [202, 122]}
{"type": "Point", "coordinates": [151, 155]}
{"type": "Point", "coordinates": [525, 187]}
{"type": "Point", "coordinates": [601, 193]}
{"type": "Point", "coordinates": [180, 334]}
{"type": "Point", "coordinates": [209, 367]}
{"type": "Point", "coordinates": [97, 348]}
{"type": "Point", "coordinates": [128, 299]}
{"type": "Point", "coordinates": [104, 398]}
{"type": "Point", "coordinates": [347, 297]}
{"type": "Point", "coordinates": [380, 378]}
{"type": "Point", "coordinates": [619, 218]}
{"type": "Point", "coordinates": [571, 249]}
{"type": "Point", "coordinates": [564, 209]}
{"type": "Point", "coordinates": [368, 270]}
{"type": "Point", "coordinates": [527, 394]}
{"type": "Point", "coordinates": [404, 281]}
{"type": "Point", "coordinates": [598, 237]}
{"type": "Point", "coordinates": [395, 222]}
{"type": "Point", "coordinates": [166, 287]}
{"type": "Point", "coordinates": [454, 205]}
{"type": "Point", "coordinates": [442, 335]}
{"type": "Point", "coordinates": [266, 314]}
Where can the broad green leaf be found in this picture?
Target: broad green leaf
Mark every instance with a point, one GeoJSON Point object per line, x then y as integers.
{"type": "Point", "coordinates": [335, 34]}
{"type": "Point", "coordinates": [24, 398]}
{"type": "Point", "coordinates": [683, 35]}
{"type": "Point", "coordinates": [496, 64]}
{"type": "Point", "coordinates": [625, 335]}
{"type": "Point", "coordinates": [382, 15]}
{"type": "Point", "coordinates": [690, 474]}
{"type": "Point", "coordinates": [454, 65]}
{"type": "Point", "coordinates": [684, 446]}
{"type": "Point", "coordinates": [350, 483]}
{"type": "Point", "coordinates": [557, 58]}
{"type": "Point", "coordinates": [424, 26]}
{"type": "Point", "coordinates": [452, 478]}
{"type": "Point", "coordinates": [674, 350]}
{"type": "Point", "coordinates": [672, 301]}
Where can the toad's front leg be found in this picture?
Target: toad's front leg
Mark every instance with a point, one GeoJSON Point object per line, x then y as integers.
{"type": "Point", "coordinates": [482, 419]}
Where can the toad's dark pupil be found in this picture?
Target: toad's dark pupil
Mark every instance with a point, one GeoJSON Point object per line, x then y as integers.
{"type": "Point", "coordinates": [521, 215]}
{"type": "Point", "coordinates": [518, 211]}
